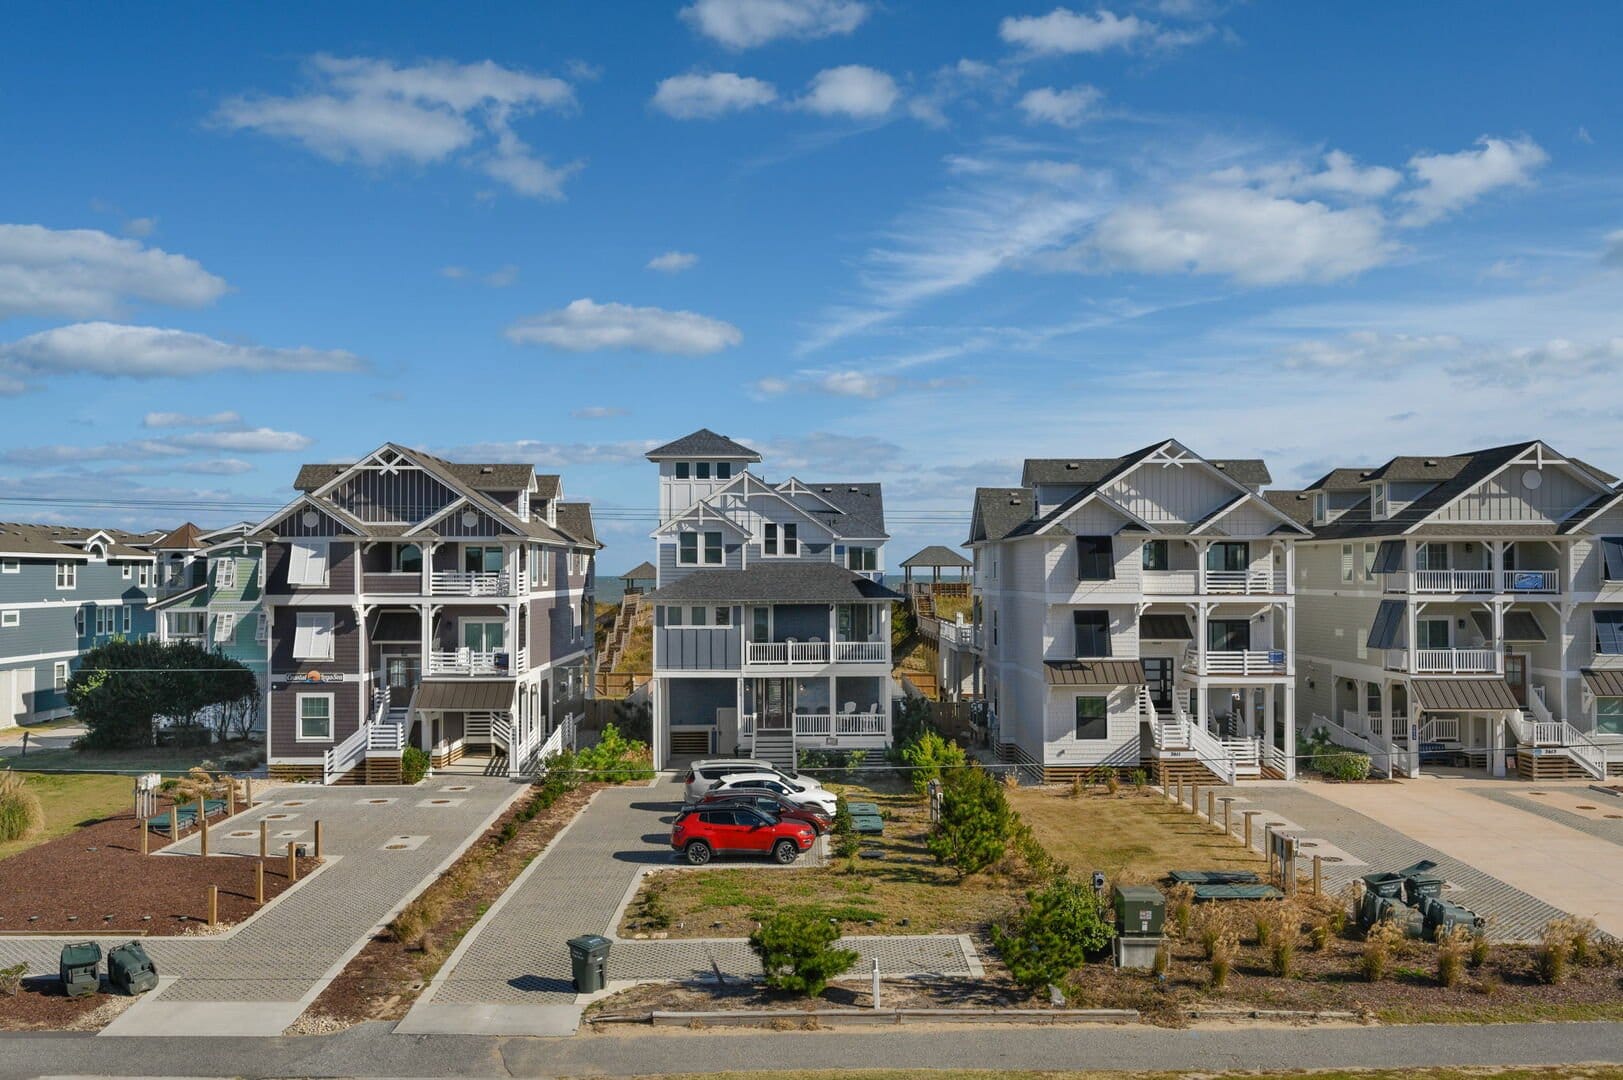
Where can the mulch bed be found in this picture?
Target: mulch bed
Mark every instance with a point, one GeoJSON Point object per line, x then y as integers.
{"type": "Point", "coordinates": [95, 882]}
{"type": "Point", "coordinates": [41, 1006]}
{"type": "Point", "coordinates": [386, 976]}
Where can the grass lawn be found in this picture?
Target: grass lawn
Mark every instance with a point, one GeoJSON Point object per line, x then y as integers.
{"type": "Point", "coordinates": [949, 608]}
{"type": "Point", "coordinates": [161, 759]}
{"type": "Point", "coordinates": [71, 800]}
{"type": "Point", "coordinates": [1127, 835]}
{"type": "Point", "coordinates": [15, 734]}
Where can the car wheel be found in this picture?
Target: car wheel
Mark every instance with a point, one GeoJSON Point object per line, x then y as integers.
{"type": "Point", "coordinates": [698, 853]}
{"type": "Point", "coordinates": [785, 852]}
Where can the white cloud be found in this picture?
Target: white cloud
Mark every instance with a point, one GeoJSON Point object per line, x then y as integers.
{"type": "Point", "coordinates": [1256, 238]}
{"type": "Point", "coordinates": [1612, 255]}
{"type": "Point", "coordinates": [455, 273]}
{"type": "Point", "coordinates": [214, 467]}
{"type": "Point", "coordinates": [141, 226]}
{"type": "Point", "coordinates": [85, 272]}
{"type": "Point", "coordinates": [175, 419]}
{"type": "Point", "coordinates": [861, 384]}
{"type": "Point", "coordinates": [1560, 361]}
{"type": "Point", "coordinates": [1065, 31]}
{"type": "Point", "coordinates": [253, 441]}
{"type": "Point", "coordinates": [851, 90]}
{"type": "Point", "coordinates": [1366, 351]}
{"type": "Point", "coordinates": [502, 276]}
{"type": "Point", "coordinates": [597, 412]}
{"type": "Point", "coordinates": [956, 82]}
{"type": "Point", "coordinates": [377, 113]}
{"type": "Point", "coordinates": [552, 455]}
{"type": "Point", "coordinates": [1450, 182]}
{"type": "Point", "coordinates": [1067, 108]}
{"type": "Point", "coordinates": [743, 24]}
{"type": "Point", "coordinates": [1341, 175]}
{"type": "Point", "coordinates": [147, 352]}
{"type": "Point", "coordinates": [587, 326]}
{"type": "Point", "coordinates": [704, 97]}
{"type": "Point", "coordinates": [673, 262]}
{"type": "Point", "coordinates": [772, 386]}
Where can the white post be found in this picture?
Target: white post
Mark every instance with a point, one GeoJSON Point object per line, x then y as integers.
{"type": "Point", "coordinates": [656, 694]}
{"type": "Point", "coordinates": [1496, 742]}
{"type": "Point", "coordinates": [1290, 731]}
{"type": "Point", "coordinates": [876, 982]}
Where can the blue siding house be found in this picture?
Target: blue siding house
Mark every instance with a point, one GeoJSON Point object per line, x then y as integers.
{"type": "Point", "coordinates": [63, 591]}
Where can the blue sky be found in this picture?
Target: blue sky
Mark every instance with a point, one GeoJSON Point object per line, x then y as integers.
{"type": "Point", "coordinates": [899, 241]}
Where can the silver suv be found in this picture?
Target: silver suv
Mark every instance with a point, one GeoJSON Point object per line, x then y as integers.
{"type": "Point", "coordinates": [702, 774]}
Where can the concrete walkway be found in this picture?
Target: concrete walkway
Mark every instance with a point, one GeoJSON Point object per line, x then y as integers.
{"type": "Point", "coordinates": [511, 974]}
{"type": "Point", "coordinates": [1567, 868]}
{"type": "Point", "coordinates": [383, 845]}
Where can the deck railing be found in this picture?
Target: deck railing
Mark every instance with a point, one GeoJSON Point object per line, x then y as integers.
{"type": "Point", "coordinates": [461, 583]}
{"type": "Point", "coordinates": [788, 652]}
{"type": "Point", "coordinates": [862, 652]}
{"type": "Point", "coordinates": [840, 724]}
{"type": "Point", "coordinates": [1234, 661]}
{"type": "Point", "coordinates": [1244, 581]}
{"type": "Point", "coordinates": [471, 662]}
{"type": "Point", "coordinates": [1456, 661]}
{"type": "Point", "coordinates": [1538, 581]}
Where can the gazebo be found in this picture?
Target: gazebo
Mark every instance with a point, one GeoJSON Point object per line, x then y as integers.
{"type": "Point", "coordinates": [639, 579]}
{"type": "Point", "coordinates": [935, 558]}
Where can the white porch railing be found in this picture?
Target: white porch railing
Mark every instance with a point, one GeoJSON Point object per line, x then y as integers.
{"type": "Point", "coordinates": [746, 723]}
{"type": "Point", "coordinates": [788, 652]}
{"type": "Point", "coordinates": [1453, 581]}
{"type": "Point", "coordinates": [1537, 581]}
{"type": "Point", "coordinates": [1213, 753]}
{"type": "Point", "coordinates": [1273, 758]}
{"type": "Point", "coordinates": [1440, 729]}
{"type": "Point", "coordinates": [862, 652]}
{"type": "Point", "coordinates": [463, 583]}
{"type": "Point", "coordinates": [385, 739]}
{"type": "Point", "coordinates": [561, 739]}
{"type": "Point", "coordinates": [1170, 582]}
{"type": "Point", "coordinates": [1456, 661]}
{"type": "Point", "coordinates": [470, 662]}
{"type": "Point", "coordinates": [839, 724]}
{"type": "Point", "coordinates": [1244, 581]}
{"type": "Point", "coordinates": [1234, 661]}
{"type": "Point", "coordinates": [1560, 735]}
{"type": "Point", "coordinates": [1246, 754]}
{"type": "Point", "coordinates": [345, 756]}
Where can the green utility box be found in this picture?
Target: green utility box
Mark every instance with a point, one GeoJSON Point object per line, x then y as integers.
{"type": "Point", "coordinates": [1141, 910]}
{"type": "Point", "coordinates": [78, 968]}
{"type": "Point", "coordinates": [130, 970]}
{"type": "Point", "coordinates": [589, 958]}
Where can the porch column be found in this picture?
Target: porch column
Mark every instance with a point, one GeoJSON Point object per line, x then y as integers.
{"type": "Point", "coordinates": [1268, 709]}
{"type": "Point", "coordinates": [1498, 643]}
{"type": "Point", "coordinates": [1412, 738]}
{"type": "Point", "coordinates": [1386, 726]}
{"type": "Point", "coordinates": [1289, 720]}
{"type": "Point", "coordinates": [1290, 638]}
{"type": "Point", "coordinates": [1202, 611]}
{"type": "Point", "coordinates": [1200, 567]}
{"type": "Point", "coordinates": [1496, 745]}
{"type": "Point", "coordinates": [1290, 569]}
{"type": "Point", "coordinates": [1496, 563]}
{"type": "Point", "coordinates": [426, 632]}
{"type": "Point", "coordinates": [364, 690]}
{"type": "Point", "coordinates": [656, 694]}
{"type": "Point", "coordinates": [428, 547]}
{"type": "Point", "coordinates": [512, 638]}
{"type": "Point", "coordinates": [1202, 702]}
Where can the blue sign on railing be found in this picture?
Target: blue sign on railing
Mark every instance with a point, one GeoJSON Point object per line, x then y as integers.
{"type": "Point", "coordinates": [1527, 579]}
{"type": "Point", "coordinates": [1276, 656]}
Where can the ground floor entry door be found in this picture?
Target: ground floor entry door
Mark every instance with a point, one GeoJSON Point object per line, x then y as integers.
{"type": "Point", "coordinates": [775, 704]}
{"type": "Point", "coordinates": [1516, 677]}
{"type": "Point", "coordinates": [401, 674]}
{"type": "Point", "coordinates": [1158, 676]}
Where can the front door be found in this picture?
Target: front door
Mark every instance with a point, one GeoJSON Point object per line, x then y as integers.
{"type": "Point", "coordinates": [400, 674]}
{"type": "Point", "coordinates": [775, 704]}
{"type": "Point", "coordinates": [1158, 676]}
{"type": "Point", "coordinates": [1516, 676]}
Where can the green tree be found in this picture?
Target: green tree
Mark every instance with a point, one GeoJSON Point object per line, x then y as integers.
{"type": "Point", "coordinates": [929, 755]}
{"type": "Point", "coordinates": [1062, 923]}
{"type": "Point", "coordinates": [975, 824]}
{"type": "Point", "coordinates": [846, 840]}
{"type": "Point", "coordinates": [122, 687]}
{"type": "Point", "coordinates": [796, 950]}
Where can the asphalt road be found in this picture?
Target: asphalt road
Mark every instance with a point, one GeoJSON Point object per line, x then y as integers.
{"type": "Point", "coordinates": [371, 1050]}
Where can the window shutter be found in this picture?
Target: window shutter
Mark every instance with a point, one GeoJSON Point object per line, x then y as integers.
{"type": "Point", "coordinates": [1612, 547]}
{"type": "Point", "coordinates": [1609, 632]}
{"type": "Point", "coordinates": [1095, 559]}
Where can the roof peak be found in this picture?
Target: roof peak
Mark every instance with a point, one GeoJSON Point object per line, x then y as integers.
{"type": "Point", "coordinates": [704, 443]}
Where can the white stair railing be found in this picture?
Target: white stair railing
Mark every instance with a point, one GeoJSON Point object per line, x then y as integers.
{"type": "Point", "coordinates": [345, 756]}
{"type": "Point", "coordinates": [1212, 753]}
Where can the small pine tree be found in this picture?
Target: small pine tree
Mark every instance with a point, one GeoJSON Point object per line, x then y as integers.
{"type": "Point", "coordinates": [1053, 936]}
{"type": "Point", "coordinates": [796, 950]}
{"type": "Point", "coordinates": [975, 824]}
{"type": "Point", "coordinates": [846, 840]}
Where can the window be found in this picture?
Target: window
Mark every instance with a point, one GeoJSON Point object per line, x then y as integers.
{"type": "Point", "coordinates": [125, 570]}
{"type": "Point", "coordinates": [724, 616]}
{"type": "Point", "coordinates": [1229, 556]}
{"type": "Point", "coordinates": [1347, 565]}
{"type": "Point", "coordinates": [315, 717]}
{"type": "Point", "coordinates": [484, 635]}
{"type": "Point", "coordinates": [101, 621]}
{"type": "Point", "coordinates": [1377, 501]}
{"type": "Point", "coordinates": [482, 558]}
{"type": "Point", "coordinates": [1611, 558]}
{"type": "Point", "coordinates": [724, 470]}
{"type": "Point", "coordinates": [1094, 559]}
{"type": "Point", "coordinates": [143, 575]}
{"type": "Point", "coordinates": [760, 624]}
{"type": "Point", "coordinates": [127, 610]}
{"type": "Point", "coordinates": [1369, 562]}
{"type": "Point", "coordinates": [994, 627]}
{"type": "Point", "coordinates": [1432, 557]}
{"type": "Point", "coordinates": [673, 616]}
{"type": "Point", "coordinates": [312, 635]}
{"type": "Point", "coordinates": [67, 575]}
{"type": "Point", "coordinates": [408, 559]}
{"type": "Point", "coordinates": [225, 626]}
{"type": "Point", "coordinates": [1609, 632]}
{"type": "Point", "coordinates": [10, 617]}
{"type": "Point", "coordinates": [1431, 634]}
{"type": "Point", "coordinates": [11, 566]}
{"type": "Point", "coordinates": [697, 616]}
{"type": "Point", "coordinates": [546, 567]}
{"type": "Point", "coordinates": [701, 470]}
{"type": "Point", "coordinates": [712, 549]}
{"type": "Point", "coordinates": [225, 573]}
{"type": "Point", "coordinates": [1228, 635]}
{"type": "Point", "coordinates": [79, 622]}
{"type": "Point", "coordinates": [1155, 554]}
{"type": "Point", "coordinates": [259, 569]}
{"type": "Point", "coordinates": [682, 470]}
{"type": "Point", "coordinates": [307, 563]}
{"type": "Point", "coordinates": [781, 540]}
{"type": "Point", "coordinates": [59, 675]}
{"type": "Point", "coordinates": [687, 549]}
{"type": "Point", "coordinates": [861, 558]}
{"type": "Point", "coordinates": [1092, 717]}
{"type": "Point", "coordinates": [186, 624]}
{"type": "Point", "coordinates": [1609, 715]}
{"type": "Point", "coordinates": [1092, 632]}
{"type": "Point", "coordinates": [262, 627]}
{"type": "Point", "coordinates": [1321, 508]}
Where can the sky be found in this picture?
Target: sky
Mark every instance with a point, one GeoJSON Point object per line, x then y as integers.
{"type": "Point", "coordinates": [875, 239]}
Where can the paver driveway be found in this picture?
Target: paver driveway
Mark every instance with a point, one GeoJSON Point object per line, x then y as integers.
{"type": "Point", "coordinates": [276, 962]}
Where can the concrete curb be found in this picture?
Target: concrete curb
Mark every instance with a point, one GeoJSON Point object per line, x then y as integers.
{"type": "Point", "coordinates": [872, 1017]}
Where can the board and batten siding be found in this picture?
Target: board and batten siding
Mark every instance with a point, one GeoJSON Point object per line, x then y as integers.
{"type": "Point", "coordinates": [1159, 494]}
{"type": "Point", "coordinates": [700, 648]}
{"type": "Point", "coordinates": [1504, 497]}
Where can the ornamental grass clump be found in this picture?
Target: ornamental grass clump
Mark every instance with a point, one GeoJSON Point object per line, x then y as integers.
{"type": "Point", "coordinates": [21, 815]}
{"type": "Point", "coordinates": [1558, 948]}
{"type": "Point", "coordinates": [1181, 907]}
{"type": "Point", "coordinates": [1225, 949]}
{"type": "Point", "coordinates": [1453, 945]}
{"type": "Point", "coordinates": [1380, 942]}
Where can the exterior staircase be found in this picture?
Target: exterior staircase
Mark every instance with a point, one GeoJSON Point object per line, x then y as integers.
{"type": "Point", "coordinates": [1551, 749]}
{"type": "Point", "coordinates": [777, 747]}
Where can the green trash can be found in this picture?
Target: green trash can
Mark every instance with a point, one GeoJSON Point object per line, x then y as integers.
{"type": "Point", "coordinates": [77, 967]}
{"type": "Point", "coordinates": [588, 959]}
{"type": "Point", "coordinates": [1418, 887]}
{"type": "Point", "coordinates": [1385, 886]}
{"type": "Point", "coordinates": [130, 970]}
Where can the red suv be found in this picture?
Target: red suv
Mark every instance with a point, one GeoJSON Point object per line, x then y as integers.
{"type": "Point", "coordinates": [702, 832]}
{"type": "Point", "coordinates": [771, 804]}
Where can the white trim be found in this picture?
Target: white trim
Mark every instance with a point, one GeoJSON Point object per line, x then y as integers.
{"type": "Point", "coordinates": [11, 566]}
{"type": "Point", "coordinates": [298, 717]}
{"type": "Point", "coordinates": [11, 662]}
{"type": "Point", "coordinates": [128, 619]}
{"type": "Point", "coordinates": [60, 674]}
{"type": "Point", "coordinates": [11, 617]}
{"type": "Point", "coordinates": [71, 577]}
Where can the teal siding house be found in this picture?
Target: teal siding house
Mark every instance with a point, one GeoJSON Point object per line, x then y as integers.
{"type": "Point", "coordinates": [214, 587]}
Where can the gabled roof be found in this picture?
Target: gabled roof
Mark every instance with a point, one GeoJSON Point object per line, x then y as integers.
{"type": "Point", "coordinates": [858, 510]}
{"type": "Point", "coordinates": [1252, 472]}
{"type": "Point", "coordinates": [548, 485]}
{"type": "Point", "coordinates": [704, 443]}
{"type": "Point", "coordinates": [486, 476]}
{"type": "Point", "coordinates": [1342, 479]}
{"type": "Point", "coordinates": [182, 538]}
{"type": "Point", "coordinates": [861, 505]}
{"type": "Point", "coordinates": [1296, 505]}
{"type": "Point", "coordinates": [575, 521]}
{"type": "Point", "coordinates": [999, 511]}
{"type": "Point", "coordinates": [643, 571]}
{"type": "Point", "coordinates": [784, 582]}
{"type": "Point", "coordinates": [68, 542]}
{"type": "Point", "coordinates": [935, 555]}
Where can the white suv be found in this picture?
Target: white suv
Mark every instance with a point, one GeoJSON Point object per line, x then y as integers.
{"type": "Point", "coordinates": [702, 775]}
{"type": "Point", "coordinates": [798, 790]}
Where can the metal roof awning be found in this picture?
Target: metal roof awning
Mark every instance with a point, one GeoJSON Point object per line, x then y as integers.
{"type": "Point", "coordinates": [465, 695]}
{"type": "Point", "coordinates": [1519, 626]}
{"type": "Point", "coordinates": [1165, 627]}
{"type": "Point", "coordinates": [1094, 672]}
{"type": "Point", "coordinates": [1462, 695]}
{"type": "Point", "coordinates": [1604, 682]}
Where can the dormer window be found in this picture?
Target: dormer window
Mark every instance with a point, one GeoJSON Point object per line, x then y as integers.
{"type": "Point", "coordinates": [724, 470]}
{"type": "Point", "coordinates": [701, 470]}
{"type": "Point", "coordinates": [1321, 508]}
{"type": "Point", "coordinates": [1377, 502]}
{"type": "Point", "coordinates": [683, 470]}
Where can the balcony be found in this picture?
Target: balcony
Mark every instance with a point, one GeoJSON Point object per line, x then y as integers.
{"type": "Point", "coordinates": [1245, 582]}
{"type": "Point", "coordinates": [1444, 661]}
{"type": "Point", "coordinates": [1475, 581]}
{"type": "Point", "coordinates": [464, 583]}
{"type": "Point", "coordinates": [822, 725]}
{"type": "Point", "coordinates": [814, 653]}
{"type": "Point", "coordinates": [1235, 661]}
{"type": "Point", "coordinates": [472, 663]}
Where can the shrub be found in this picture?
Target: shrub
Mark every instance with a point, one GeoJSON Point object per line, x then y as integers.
{"type": "Point", "coordinates": [413, 765]}
{"type": "Point", "coordinates": [560, 777]}
{"type": "Point", "coordinates": [1181, 906]}
{"type": "Point", "coordinates": [1379, 943]}
{"type": "Point", "coordinates": [1052, 937]}
{"type": "Point", "coordinates": [975, 824]}
{"type": "Point", "coordinates": [1581, 940]}
{"type": "Point", "coordinates": [20, 812]}
{"type": "Point", "coordinates": [1041, 865]}
{"type": "Point", "coordinates": [846, 841]}
{"type": "Point", "coordinates": [1141, 780]}
{"type": "Point", "coordinates": [1554, 951]}
{"type": "Point", "coordinates": [614, 760]}
{"type": "Point", "coordinates": [929, 755]}
{"type": "Point", "coordinates": [1345, 765]}
{"type": "Point", "coordinates": [11, 979]}
{"type": "Point", "coordinates": [1452, 945]}
{"type": "Point", "coordinates": [796, 950]}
